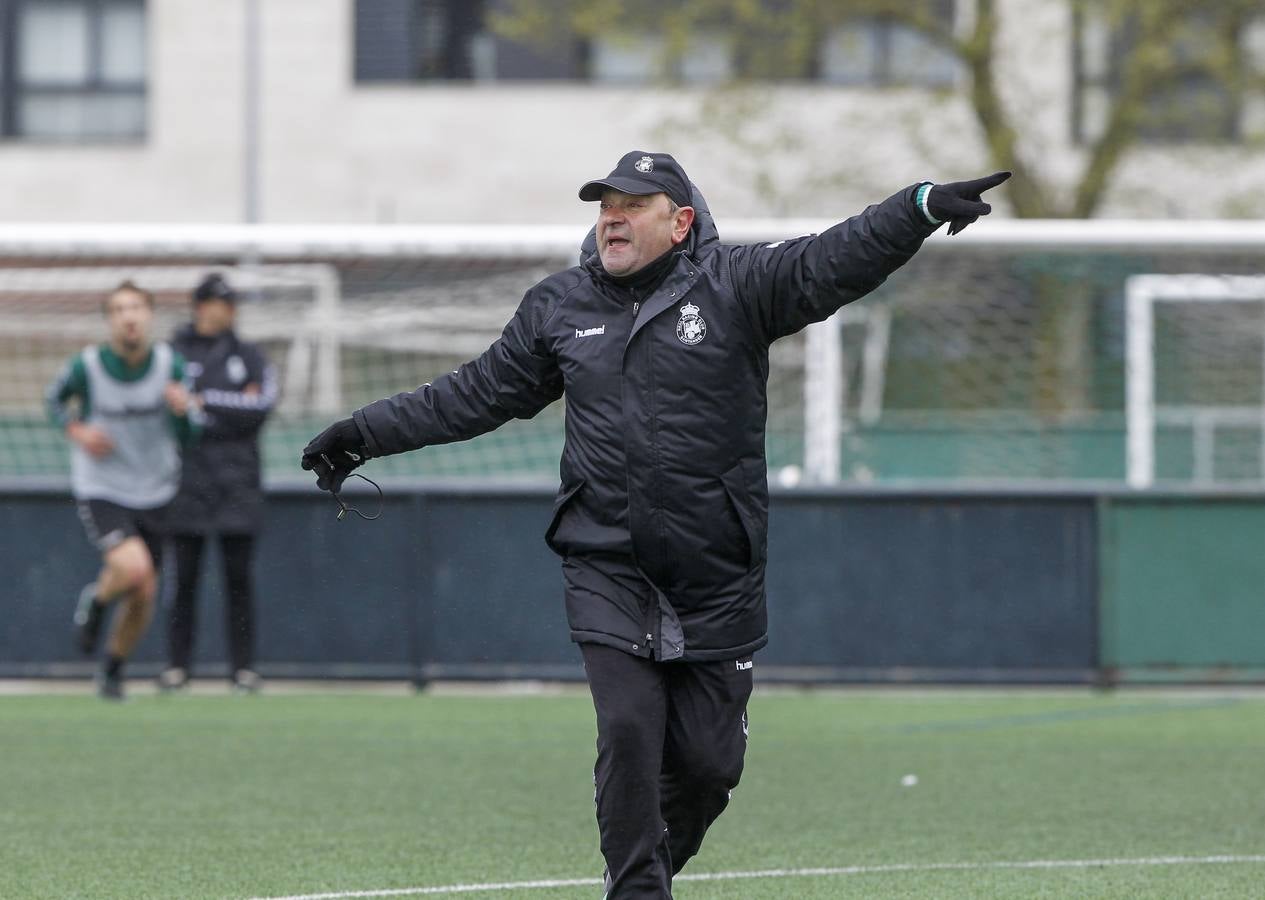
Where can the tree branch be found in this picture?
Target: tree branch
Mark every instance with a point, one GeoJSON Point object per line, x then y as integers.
{"type": "Point", "coordinates": [1145, 67]}
{"type": "Point", "coordinates": [1027, 195]}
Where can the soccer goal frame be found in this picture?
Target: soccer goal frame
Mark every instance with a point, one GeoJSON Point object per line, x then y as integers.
{"type": "Point", "coordinates": [826, 386]}
{"type": "Point", "coordinates": [1142, 414]}
{"type": "Point", "coordinates": [312, 366]}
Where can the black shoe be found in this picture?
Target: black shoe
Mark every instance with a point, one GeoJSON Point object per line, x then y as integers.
{"type": "Point", "coordinates": [246, 681]}
{"type": "Point", "coordinates": [172, 680]}
{"type": "Point", "coordinates": [89, 615]}
{"type": "Point", "coordinates": [109, 687]}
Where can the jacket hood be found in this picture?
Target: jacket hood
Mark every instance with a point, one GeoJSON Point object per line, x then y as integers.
{"type": "Point", "coordinates": [702, 233]}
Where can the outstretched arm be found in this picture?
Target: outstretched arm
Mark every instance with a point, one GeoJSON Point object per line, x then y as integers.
{"type": "Point", "coordinates": [787, 285]}
{"type": "Point", "coordinates": [515, 378]}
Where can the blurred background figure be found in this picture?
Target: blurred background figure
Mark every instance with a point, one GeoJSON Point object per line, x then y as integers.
{"type": "Point", "coordinates": [124, 408]}
{"type": "Point", "coordinates": [220, 492]}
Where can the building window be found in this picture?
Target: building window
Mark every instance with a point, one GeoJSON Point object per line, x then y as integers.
{"type": "Point", "coordinates": [450, 40]}
{"type": "Point", "coordinates": [1196, 101]}
{"type": "Point", "coordinates": [869, 52]}
{"type": "Point", "coordinates": [625, 58]}
{"type": "Point", "coordinates": [885, 52]}
{"type": "Point", "coordinates": [72, 70]}
{"type": "Point", "coordinates": [443, 40]}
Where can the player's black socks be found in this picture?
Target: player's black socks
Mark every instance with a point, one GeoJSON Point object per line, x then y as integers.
{"type": "Point", "coordinates": [110, 682]}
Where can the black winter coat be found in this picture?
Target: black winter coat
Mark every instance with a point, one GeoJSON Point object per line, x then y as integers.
{"type": "Point", "coordinates": [665, 417]}
{"type": "Point", "coordinates": [220, 487]}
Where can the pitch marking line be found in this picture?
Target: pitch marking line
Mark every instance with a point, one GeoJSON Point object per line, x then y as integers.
{"type": "Point", "coordinates": [789, 873]}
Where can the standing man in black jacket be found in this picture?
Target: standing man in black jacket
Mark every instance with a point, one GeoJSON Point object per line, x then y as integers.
{"type": "Point", "coordinates": [660, 342]}
{"type": "Point", "coordinates": [220, 489]}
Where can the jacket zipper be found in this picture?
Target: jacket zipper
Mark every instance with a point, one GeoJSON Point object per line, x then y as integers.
{"type": "Point", "coordinates": [655, 652]}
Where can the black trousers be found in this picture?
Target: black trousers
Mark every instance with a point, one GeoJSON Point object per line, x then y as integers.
{"type": "Point", "coordinates": [670, 744]}
{"type": "Point", "coordinates": [237, 551]}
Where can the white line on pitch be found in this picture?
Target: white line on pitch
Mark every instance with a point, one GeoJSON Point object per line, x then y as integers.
{"type": "Point", "coordinates": [829, 872]}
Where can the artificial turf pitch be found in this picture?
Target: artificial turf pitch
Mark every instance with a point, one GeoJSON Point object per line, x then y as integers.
{"type": "Point", "coordinates": [292, 794]}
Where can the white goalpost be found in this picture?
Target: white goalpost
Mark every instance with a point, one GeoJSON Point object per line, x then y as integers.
{"type": "Point", "coordinates": [1142, 411]}
{"type": "Point", "coordinates": [310, 324]}
{"type": "Point", "coordinates": [827, 388]}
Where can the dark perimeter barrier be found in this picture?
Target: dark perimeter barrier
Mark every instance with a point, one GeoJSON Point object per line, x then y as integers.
{"type": "Point", "coordinates": [987, 585]}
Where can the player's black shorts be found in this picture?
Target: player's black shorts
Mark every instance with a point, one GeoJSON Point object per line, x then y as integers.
{"type": "Point", "coordinates": [109, 524]}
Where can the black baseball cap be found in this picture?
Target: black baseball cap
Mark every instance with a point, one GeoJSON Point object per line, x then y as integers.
{"type": "Point", "coordinates": [214, 287]}
{"type": "Point", "coordinates": [639, 172]}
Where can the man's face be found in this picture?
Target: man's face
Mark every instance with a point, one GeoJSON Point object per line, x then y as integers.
{"type": "Point", "coordinates": [213, 316]}
{"type": "Point", "coordinates": [128, 316]}
{"type": "Point", "coordinates": [636, 229]}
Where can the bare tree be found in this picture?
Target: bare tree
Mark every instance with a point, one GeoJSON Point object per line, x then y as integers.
{"type": "Point", "coordinates": [1157, 49]}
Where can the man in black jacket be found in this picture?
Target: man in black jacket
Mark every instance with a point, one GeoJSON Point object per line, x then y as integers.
{"type": "Point", "coordinates": [220, 490]}
{"type": "Point", "coordinates": [660, 342]}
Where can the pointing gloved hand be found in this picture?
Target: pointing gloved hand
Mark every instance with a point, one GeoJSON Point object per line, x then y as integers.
{"type": "Point", "coordinates": [334, 453]}
{"type": "Point", "coordinates": [959, 203]}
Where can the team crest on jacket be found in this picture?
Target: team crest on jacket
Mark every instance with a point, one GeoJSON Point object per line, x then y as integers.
{"type": "Point", "coordinates": [690, 328]}
{"type": "Point", "coordinates": [645, 164]}
{"type": "Point", "coordinates": [236, 369]}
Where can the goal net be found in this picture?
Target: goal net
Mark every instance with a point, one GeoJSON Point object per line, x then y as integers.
{"type": "Point", "coordinates": [998, 354]}
{"type": "Point", "coordinates": [1196, 378]}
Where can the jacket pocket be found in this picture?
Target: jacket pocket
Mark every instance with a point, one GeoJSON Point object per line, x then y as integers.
{"type": "Point", "coordinates": [565, 495]}
{"type": "Point", "coordinates": [744, 506]}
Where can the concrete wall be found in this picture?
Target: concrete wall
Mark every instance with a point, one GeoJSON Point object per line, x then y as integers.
{"type": "Point", "coordinates": [926, 585]}
{"type": "Point", "coordinates": [458, 583]}
{"type": "Point", "coordinates": [333, 151]}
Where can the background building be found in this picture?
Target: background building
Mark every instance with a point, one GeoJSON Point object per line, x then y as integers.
{"type": "Point", "coordinates": [386, 111]}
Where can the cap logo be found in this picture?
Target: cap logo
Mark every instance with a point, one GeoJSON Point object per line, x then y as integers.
{"type": "Point", "coordinates": [645, 164]}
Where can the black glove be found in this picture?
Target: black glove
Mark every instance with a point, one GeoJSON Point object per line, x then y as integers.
{"type": "Point", "coordinates": [958, 202]}
{"type": "Point", "coordinates": [334, 453]}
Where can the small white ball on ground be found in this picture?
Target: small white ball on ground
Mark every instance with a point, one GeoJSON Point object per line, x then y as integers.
{"type": "Point", "coordinates": [909, 781]}
{"type": "Point", "coordinates": [789, 476]}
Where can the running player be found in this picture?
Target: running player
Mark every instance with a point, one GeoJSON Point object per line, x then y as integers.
{"type": "Point", "coordinates": [125, 409]}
